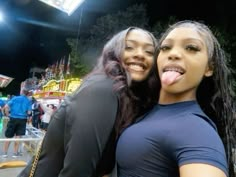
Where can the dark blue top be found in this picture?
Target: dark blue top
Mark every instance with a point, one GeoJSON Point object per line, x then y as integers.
{"type": "Point", "coordinates": [166, 138]}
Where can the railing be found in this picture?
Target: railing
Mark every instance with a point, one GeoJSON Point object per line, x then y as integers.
{"type": "Point", "coordinates": [30, 142]}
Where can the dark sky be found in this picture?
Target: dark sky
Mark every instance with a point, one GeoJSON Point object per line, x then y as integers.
{"type": "Point", "coordinates": [34, 33]}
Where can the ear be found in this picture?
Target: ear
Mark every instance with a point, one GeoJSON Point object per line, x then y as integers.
{"type": "Point", "coordinates": [208, 72]}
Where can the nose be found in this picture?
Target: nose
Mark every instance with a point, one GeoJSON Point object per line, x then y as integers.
{"type": "Point", "coordinates": [139, 53]}
{"type": "Point", "coordinates": [174, 54]}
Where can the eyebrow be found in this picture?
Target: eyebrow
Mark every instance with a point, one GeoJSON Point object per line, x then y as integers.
{"type": "Point", "coordinates": [186, 39]}
{"type": "Point", "coordinates": [134, 41]}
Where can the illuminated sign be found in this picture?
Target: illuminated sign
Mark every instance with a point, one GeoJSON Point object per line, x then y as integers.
{"type": "Point", "coordinates": [58, 89]}
{"type": "Point", "coordinates": [52, 85]}
{"type": "Point", "coordinates": [72, 84]}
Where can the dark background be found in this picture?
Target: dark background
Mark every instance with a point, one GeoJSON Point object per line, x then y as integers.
{"type": "Point", "coordinates": [34, 34]}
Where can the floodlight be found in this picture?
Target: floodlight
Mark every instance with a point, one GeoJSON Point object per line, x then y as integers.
{"type": "Point", "coordinates": [68, 6]}
{"type": "Point", "coordinates": [1, 17]}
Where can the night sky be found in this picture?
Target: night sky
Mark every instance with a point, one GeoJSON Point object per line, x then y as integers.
{"type": "Point", "coordinates": [34, 33]}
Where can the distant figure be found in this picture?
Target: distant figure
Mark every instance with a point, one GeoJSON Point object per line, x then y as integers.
{"type": "Point", "coordinates": [1, 109]}
{"type": "Point", "coordinates": [46, 117]}
{"type": "Point", "coordinates": [20, 108]}
{"type": "Point", "coordinates": [35, 113]}
{"type": "Point", "coordinates": [2, 103]}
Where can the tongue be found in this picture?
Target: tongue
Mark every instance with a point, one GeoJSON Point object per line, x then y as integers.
{"type": "Point", "coordinates": [169, 77]}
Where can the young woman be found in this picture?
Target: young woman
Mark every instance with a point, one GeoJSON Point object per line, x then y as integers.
{"type": "Point", "coordinates": [189, 133]}
{"type": "Point", "coordinates": [81, 136]}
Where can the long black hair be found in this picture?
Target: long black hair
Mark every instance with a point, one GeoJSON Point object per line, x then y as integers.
{"type": "Point", "coordinates": [215, 94]}
{"type": "Point", "coordinates": [134, 98]}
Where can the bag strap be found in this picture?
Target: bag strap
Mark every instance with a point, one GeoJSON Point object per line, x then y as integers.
{"type": "Point", "coordinates": [36, 159]}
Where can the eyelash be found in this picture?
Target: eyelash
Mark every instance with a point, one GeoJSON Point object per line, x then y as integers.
{"type": "Point", "coordinates": [128, 48]}
{"type": "Point", "coordinates": [164, 48]}
{"type": "Point", "coordinates": [131, 48]}
{"type": "Point", "coordinates": [192, 48]}
{"type": "Point", "coordinates": [188, 48]}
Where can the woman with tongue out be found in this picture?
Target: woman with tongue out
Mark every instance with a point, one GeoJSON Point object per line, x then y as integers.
{"type": "Point", "coordinates": [190, 132]}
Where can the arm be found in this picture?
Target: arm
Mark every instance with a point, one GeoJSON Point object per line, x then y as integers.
{"type": "Point", "coordinates": [199, 150]}
{"type": "Point", "coordinates": [200, 170]}
{"type": "Point", "coordinates": [6, 110]}
{"type": "Point", "coordinates": [89, 122]}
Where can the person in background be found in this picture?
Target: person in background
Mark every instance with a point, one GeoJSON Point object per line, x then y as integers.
{"type": "Point", "coordinates": [81, 137]}
{"type": "Point", "coordinates": [2, 103]}
{"type": "Point", "coordinates": [35, 113]}
{"type": "Point", "coordinates": [189, 133]}
{"type": "Point", "coordinates": [19, 108]}
{"type": "Point", "coordinates": [46, 117]}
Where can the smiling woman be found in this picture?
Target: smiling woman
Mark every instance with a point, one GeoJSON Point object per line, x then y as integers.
{"type": "Point", "coordinates": [121, 87]}
{"type": "Point", "coordinates": [138, 55]}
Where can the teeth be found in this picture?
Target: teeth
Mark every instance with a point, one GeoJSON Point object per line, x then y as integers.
{"type": "Point", "coordinates": [179, 70]}
{"type": "Point", "coordinates": [136, 67]}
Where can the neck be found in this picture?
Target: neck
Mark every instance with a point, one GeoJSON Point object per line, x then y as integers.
{"type": "Point", "coordinates": [169, 98]}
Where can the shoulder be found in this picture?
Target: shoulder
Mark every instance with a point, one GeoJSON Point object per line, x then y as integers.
{"type": "Point", "coordinates": [197, 141]}
{"type": "Point", "coordinates": [194, 129]}
{"type": "Point", "coordinates": [97, 84]}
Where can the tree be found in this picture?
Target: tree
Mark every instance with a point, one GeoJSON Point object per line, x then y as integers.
{"type": "Point", "coordinates": [160, 26]}
{"type": "Point", "coordinates": [110, 24]}
{"type": "Point", "coordinates": [78, 68]}
{"type": "Point", "coordinates": [84, 51]}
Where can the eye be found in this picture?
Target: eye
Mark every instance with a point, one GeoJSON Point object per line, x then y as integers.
{"type": "Point", "coordinates": [164, 48]}
{"type": "Point", "coordinates": [192, 48]}
{"type": "Point", "coordinates": [150, 52]}
{"type": "Point", "coordinates": [128, 48]}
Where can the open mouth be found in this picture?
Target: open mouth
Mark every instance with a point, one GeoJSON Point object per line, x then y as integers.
{"type": "Point", "coordinates": [178, 69]}
{"type": "Point", "coordinates": [136, 66]}
{"type": "Point", "coordinates": [171, 74]}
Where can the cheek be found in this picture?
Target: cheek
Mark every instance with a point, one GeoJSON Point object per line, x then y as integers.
{"type": "Point", "coordinates": [158, 63]}
{"type": "Point", "coordinates": [151, 62]}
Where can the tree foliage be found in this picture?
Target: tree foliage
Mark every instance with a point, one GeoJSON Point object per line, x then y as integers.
{"type": "Point", "coordinates": [86, 49]}
{"type": "Point", "coordinates": [78, 68]}
{"type": "Point", "coordinates": [110, 24]}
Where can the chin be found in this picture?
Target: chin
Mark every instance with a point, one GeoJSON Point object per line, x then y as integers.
{"type": "Point", "coordinates": [138, 78]}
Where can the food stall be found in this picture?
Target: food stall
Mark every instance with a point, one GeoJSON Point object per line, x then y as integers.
{"type": "Point", "coordinates": [54, 91]}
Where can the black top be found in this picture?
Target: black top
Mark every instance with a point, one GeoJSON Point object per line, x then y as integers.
{"type": "Point", "coordinates": [79, 131]}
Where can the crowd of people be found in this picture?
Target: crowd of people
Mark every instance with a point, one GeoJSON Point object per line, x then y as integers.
{"type": "Point", "coordinates": [20, 111]}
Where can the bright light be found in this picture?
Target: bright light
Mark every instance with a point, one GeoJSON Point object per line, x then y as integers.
{"type": "Point", "coordinates": [68, 6]}
{"type": "Point", "coordinates": [1, 17]}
